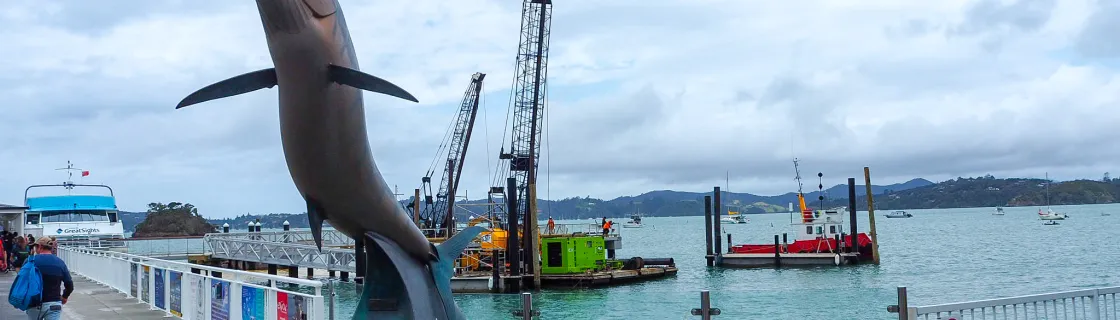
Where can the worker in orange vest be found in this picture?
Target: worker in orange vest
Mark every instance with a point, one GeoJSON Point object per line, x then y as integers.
{"type": "Point", "coordinates": [551, 226]}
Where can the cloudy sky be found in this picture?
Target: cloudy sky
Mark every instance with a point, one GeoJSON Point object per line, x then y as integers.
{"type": "Point", "coordinates": [643, 95]}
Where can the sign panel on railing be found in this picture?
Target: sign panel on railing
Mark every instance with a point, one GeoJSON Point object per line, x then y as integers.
{"type": "Point", "coordinates": [199, 290]}
{"type": "Point", "coordinates": [176, 293]}
{"type": "Point", "coordinates": [134, 268]}
{"type": "Point", "coordinates": [160, 298]}
{"type": "Point", "coordinates": [219, 299]}
{"type": "Point", "coordinates": [252, 303]}
{"type": "Point", "coordinates": [145, 292]}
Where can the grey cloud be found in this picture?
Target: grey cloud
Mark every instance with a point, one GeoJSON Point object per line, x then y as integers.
{"type": "Point", "coordinates": [993, 15]}
{"type": "Point", "coordinates": [1100, 37]}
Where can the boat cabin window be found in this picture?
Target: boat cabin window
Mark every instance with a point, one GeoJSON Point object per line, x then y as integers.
{"type": "Point", "coordinates": [74, 216]}
{"type": "Point", "coordinates": [809, 229]}
{"type": "Point", "coordinates": [113, 216]}
{"type": "Point", "coordinates": [820, 230]}
{"type": "Point", "coordinates": [831, 229]}
{"type": "Point", "coordinates": [33, 218]}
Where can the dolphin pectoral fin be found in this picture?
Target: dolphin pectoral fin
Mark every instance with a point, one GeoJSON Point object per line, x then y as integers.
{"type": "Point", "coordinates": [357, 79]}
{"type": "Point", "coordinates": [256, 80]}
{"type": "Point", "coordinates": [444, 267]}
{"type": "Point", "coordinates": [315, 218]}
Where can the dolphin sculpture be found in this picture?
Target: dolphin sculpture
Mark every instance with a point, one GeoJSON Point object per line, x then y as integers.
{"type": "Point", "coordinates": [323, 131]}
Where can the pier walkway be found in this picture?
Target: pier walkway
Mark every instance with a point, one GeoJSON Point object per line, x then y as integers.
{"type": "Point", "coordinates": [89, 301]}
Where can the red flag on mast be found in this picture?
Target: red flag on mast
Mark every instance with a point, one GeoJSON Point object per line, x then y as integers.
{"type": "Point", "coordinates": [85, 173]}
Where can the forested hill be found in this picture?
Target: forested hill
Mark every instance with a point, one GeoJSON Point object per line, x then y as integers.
{"type": "Point", "coordinates": [988, 191]}
{"type": "Point", "coordinates": [984, 191]}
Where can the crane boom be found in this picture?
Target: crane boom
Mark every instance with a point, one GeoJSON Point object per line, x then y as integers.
{"type": "Point", "coordinates": [529, 98]}
{"type": "Point", "coordinates": [440, 213]}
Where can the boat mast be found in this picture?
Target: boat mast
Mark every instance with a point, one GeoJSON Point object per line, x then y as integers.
{"type": "Point", "coordinates": [69, 184]}
{"type": "Point", "coordinates": [1047, 192]}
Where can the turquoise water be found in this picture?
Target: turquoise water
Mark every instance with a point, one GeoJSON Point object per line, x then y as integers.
{"type": "Point", "coordinates": [944, 255]}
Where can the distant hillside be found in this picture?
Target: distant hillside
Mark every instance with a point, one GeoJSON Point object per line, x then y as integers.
{"type": "Point", "coordinates": [988, 191]}
{"type": "Point", "coordinates": [984, 191]}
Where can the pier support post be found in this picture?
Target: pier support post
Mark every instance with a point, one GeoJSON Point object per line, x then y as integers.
{"type": "Point", "coordinates": [717, 207]}
{"type": "Point", "coordinates": [853, 246]}
{"type": "Point", "coordinates": [777, 253]}
{"type": "Point", "coordinates": [532, 236]}
{"type": "Point", "coordinates": [871, 216]}
{"type": "Point", "coordinates": [526, 312]}
{"type": "Point", "coordinates": [416, 208]}
{"type": "Point", "coordinates": [359, 261]}
{"type": "Point", "coordinates": [729, 242]}
{"type": "Point", "coordinates": [513, 253]}
{"type": "Point", "coordinates": [708, 228]}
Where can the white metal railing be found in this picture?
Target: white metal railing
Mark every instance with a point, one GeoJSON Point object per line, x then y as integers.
{"type": "Point", "coordinates": [288, 254]}
{"type": "Point", "coordinates": [212, 293]}
{"type": "Point", "coordinates": [331, 237]}
{"type": "Point", "coordinates": [1090, 304]}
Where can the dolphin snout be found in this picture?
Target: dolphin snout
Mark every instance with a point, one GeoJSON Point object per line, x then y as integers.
{"type": "Point", "coordinates": [287, 16]}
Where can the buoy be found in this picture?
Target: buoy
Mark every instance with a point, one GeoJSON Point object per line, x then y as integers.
{"type": "Point", "coordinates": [836, 259]}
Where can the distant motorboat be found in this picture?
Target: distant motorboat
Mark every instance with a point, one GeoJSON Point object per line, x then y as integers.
{"type": "Point", "coordinates": [999, 211]}
{"type": "Point", "coordinates": [1104, 214]}
{"type": "Point", "coordinates": [1051, 223]}
{"type": "Point", "coordinates": [899, 214]}
{"type": "Point", "coordinates": [635, 221]}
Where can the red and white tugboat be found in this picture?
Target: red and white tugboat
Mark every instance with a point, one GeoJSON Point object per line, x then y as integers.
{"type": "Point", "coordinates": [817, 234]}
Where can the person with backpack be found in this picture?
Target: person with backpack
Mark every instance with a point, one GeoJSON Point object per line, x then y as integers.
{"type": "Point", "coordinates": [37, 289]}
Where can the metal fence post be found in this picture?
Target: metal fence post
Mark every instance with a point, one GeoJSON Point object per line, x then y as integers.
{"type": "Point", "coordinates": [526, 312]}
{"type": "Point", "coordinates": [1095, 310]}
{"type": "Point", "coordinates": [705, 311]}
{"type": "Point", "coordinates": [903, 308]}
{"type": "Point", "coordinates": [330, 298]}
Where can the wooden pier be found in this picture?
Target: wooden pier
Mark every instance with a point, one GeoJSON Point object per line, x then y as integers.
{"type": "Point", "coordinates": [606, 278]}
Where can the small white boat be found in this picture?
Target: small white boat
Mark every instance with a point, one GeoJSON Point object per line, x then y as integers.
{"type": "Point", "coordinates": [999, 211]}
{"type": "Point", "coordinates": [635, 221]}
{"type": "Point", "coordinates": [899, 214]}
{"type": "Point", "coordinates": [1051, 223]}
{"type": "Point", "coordinates": [1104, 214]}
{"type": "Point", "coordinates": [1051, 215]}
{"type": "Point", "coordinates": [734, 217]}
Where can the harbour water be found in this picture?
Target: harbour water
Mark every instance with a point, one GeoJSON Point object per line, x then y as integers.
{"type": "Point", "coordinates": [942, 255]}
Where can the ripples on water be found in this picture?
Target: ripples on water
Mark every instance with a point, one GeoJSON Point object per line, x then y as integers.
{"type": "Point", "coordinates": [943, 255]}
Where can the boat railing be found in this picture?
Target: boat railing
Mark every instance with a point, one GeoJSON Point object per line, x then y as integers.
{"type": "Point", "coordinates": [192, 291]}
{"type": "Point", "coordinates": [584, 228]}
{"type": "Point", "coordinates": [1091, 304]}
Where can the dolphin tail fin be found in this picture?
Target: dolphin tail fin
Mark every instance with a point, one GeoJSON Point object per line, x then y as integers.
{"type": "Point", "coordinates": [357, 79]}
{"type": "Point", "coordinates": [256, 80]}
{"type": "Point", "coordinates": [315, 219]}
{"type": "Point", "coordinates": [443, 268]}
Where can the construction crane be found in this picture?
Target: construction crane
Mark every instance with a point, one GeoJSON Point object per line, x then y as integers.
{"type": "Point", "coordinates": [439, 212]}
{"type": "Point", "coordinates": [528, 104]}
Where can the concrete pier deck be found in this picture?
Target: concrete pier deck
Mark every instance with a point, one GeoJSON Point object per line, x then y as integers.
{"type": "Point", "coordinates": [89, 301]}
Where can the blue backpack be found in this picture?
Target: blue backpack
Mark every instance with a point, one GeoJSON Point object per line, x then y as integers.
{"type": "Point", "coordinates": [27, 290]}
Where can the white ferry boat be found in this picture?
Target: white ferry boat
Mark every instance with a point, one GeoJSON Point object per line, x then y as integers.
{"type": "Point", "coordinates": [75, 214]}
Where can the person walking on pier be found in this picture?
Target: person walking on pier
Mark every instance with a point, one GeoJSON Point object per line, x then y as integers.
{"type": "Point", "coordinates": [55, 275]}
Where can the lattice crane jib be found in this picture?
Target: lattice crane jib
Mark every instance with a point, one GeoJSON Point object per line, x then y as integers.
{"type": "Point", "coordinates": [529, 99]}
{"type": "Point", "coordinates": [438, 209]}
